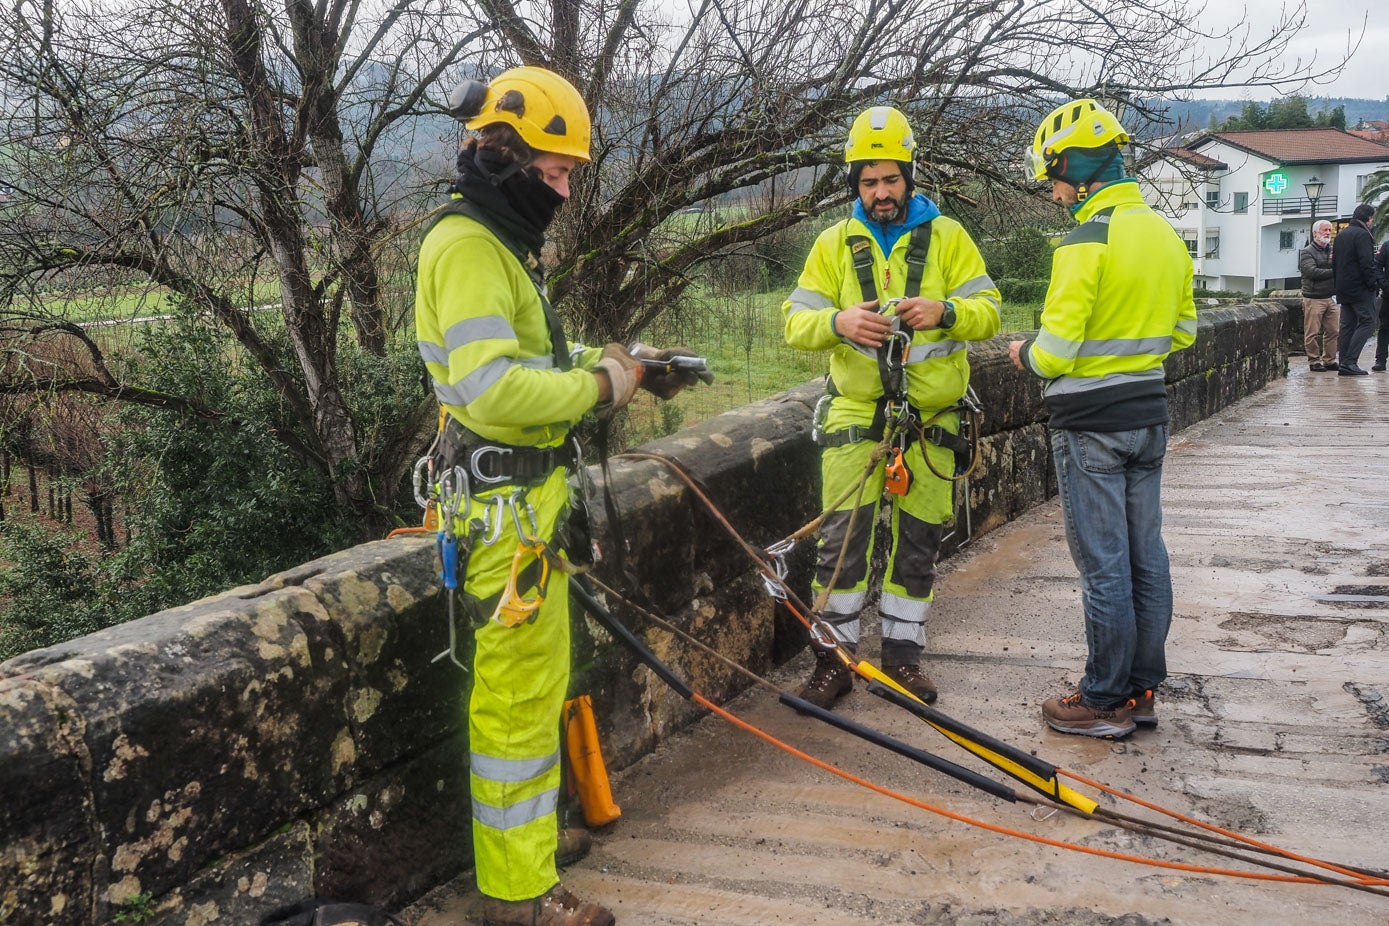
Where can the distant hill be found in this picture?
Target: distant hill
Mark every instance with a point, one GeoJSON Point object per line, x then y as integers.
{"type": "Point", "coordinates": [1195, 115]}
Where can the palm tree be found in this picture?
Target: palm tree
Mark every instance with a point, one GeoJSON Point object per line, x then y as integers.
{"type": "Point", "coordinates": [1376, 189]}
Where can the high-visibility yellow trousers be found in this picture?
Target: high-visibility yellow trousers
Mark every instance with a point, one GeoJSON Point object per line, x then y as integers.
{"type": "Point", "coordinates": [917, 525]}
{"type": "Point", "coordinates": [520, 678]}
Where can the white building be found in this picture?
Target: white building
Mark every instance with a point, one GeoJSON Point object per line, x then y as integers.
{"type": "Point", "coordinates": [1244, 201]}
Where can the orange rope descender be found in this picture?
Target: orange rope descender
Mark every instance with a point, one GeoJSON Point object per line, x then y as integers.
{"type": "Point", "coordinates": [514, 610]}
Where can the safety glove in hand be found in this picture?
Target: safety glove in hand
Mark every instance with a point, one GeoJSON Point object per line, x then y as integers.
{"type": "Point", "coordinates": [624, 373]}
{"type": "Point", "coordinates": [665, 385]}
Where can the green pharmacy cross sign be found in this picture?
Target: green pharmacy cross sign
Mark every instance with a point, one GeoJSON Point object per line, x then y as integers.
{"type": "Point", "coordinates": [1276, 183]}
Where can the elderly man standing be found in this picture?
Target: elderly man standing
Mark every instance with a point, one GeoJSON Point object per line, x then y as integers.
{"type": "Point", "coordinates": [1321, 320]}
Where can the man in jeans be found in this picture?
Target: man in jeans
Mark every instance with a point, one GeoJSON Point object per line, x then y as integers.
{"type": "Point", "coordinates": [1321, 320]}
{"type": "Point", "coordinates": [1120, 301]}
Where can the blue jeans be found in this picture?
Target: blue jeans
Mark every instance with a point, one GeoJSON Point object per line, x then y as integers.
{"type": "Point", "coordinates": [1111, 494]}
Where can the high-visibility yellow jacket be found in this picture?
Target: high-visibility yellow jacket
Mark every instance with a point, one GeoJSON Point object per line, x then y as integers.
{"type": "Point", "coordinates": [937, 365]}
{"type": "Point", "coordinates": [1119, 302]}
{"type": "Point", "coordinates": [483, 336]}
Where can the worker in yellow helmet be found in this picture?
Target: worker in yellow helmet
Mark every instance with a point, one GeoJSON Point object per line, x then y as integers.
{"type": "Point", "coordinates": [1119, 302]}
{"type": "Point", "coordinates": [893, 293]}
{"type": "Point", "coordinates": [513, 387]}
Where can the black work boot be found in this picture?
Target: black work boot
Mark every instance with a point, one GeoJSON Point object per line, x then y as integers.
{"type": "Point", "coordinates": [913, 680]}
{"type": "Point", "coordinates": [830, 681]}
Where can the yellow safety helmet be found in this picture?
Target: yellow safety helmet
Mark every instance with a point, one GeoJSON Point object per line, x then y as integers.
{"type": "Point", "coordinates": [880, 133]}
{"type": "Point", "coordinates": [1080, 124]}
{"type": "Point", "coordinates": [545, 109]}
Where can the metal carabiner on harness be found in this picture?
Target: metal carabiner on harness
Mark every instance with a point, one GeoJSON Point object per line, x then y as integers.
{"type": "Point", "coordinates": [776, 558]}
{"type": "Point", "coordinates": [512, 609]}
{"type": "Point", "coordinates": [817, 420]}
{"type": "Point", "coordinates": [493, 520]}
{"type": "Point", "coordinates": [420, 481]}
{"type": "Point", "coordinates": [531, 536]}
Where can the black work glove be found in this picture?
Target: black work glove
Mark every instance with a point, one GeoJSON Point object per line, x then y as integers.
{"type": "Point", "coordinates": [666, 385]}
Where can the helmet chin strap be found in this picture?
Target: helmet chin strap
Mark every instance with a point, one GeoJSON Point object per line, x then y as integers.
{"type": "Point", "coordinates": [1083, 188]}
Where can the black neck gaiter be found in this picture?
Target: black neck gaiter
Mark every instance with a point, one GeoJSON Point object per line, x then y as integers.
{"type": "Point", "coordinates": [520, 202]}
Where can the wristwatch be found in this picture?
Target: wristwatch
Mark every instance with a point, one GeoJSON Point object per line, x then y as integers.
{"type": "Point", "coordinates": [947, 317]}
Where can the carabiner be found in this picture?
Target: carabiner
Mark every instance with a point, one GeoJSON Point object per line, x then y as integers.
{"type": "Point", "coordinates": [532, 536]}
{"type": "Point", "coordinates": [776, 558]}
{"type": "Point", "coordinates": [823, 635]}
{"type": "Point", "coordinates": [817, 419]}
{"type": "Point", "coordinates": [419, 481]}
{"type": "Point", "coordinates": [455, 498]}
{"type": "Point", "coordinates": [493, 520]}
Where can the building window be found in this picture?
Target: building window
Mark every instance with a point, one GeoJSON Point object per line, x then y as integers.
{"type": "Point", "coordinates": [1285, 241]}
{"type": "Point", "coordinates": [1213, 244]}
{"type": "Point", "coordinates": [1189, 239]}
{"type": "Point", "coordinates": [1212, 199]}
{"type": "Point", "coordinates": [1241, 203]}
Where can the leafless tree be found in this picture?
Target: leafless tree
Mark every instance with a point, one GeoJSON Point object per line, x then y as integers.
{"type": "Point", "coordinates": [205, 148]}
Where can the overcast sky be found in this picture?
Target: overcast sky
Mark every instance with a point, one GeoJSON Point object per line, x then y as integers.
{"type": "Point", "coordinates": [1331, 25]}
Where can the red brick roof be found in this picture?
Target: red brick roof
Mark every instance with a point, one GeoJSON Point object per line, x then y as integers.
{"type": "Point", "coordinates": [1302, 146]}
{"type": "Point", "coordinates": [1195, 158]}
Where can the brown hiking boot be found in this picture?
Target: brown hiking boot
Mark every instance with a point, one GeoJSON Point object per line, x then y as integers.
{"type": "Point", "coordinates": [914, 680]}
{"type": "Point", "coordinates": [830, 681]}
{"type": "Point", "coordinates": [574, 843]}
{"type": "Point", "coordinates": [1144, 709]}
{"type": "Point", "coordinates": [1072, 715]}
{"type": "Point", "coordinates": [557, 907]}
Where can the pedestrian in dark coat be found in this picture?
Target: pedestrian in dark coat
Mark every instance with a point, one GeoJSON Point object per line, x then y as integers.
{"type": "Point", "coordinates": [1357, 282]}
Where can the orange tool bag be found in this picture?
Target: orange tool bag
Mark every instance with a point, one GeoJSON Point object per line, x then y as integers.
{"type": "Point", "coordinates": [586, 762]}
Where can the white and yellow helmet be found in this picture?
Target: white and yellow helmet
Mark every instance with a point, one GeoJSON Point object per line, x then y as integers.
{"type": "Point", "coordinates": [1079, 124]}
{"type": "Point", "coordinates": [880, 133]}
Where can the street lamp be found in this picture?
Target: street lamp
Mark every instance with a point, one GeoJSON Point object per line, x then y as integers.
{"type": "Point", "coordinates": [1313, 188]}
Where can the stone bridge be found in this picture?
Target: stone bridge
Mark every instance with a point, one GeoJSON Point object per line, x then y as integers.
{"type": "Point", "coordinates": [293, 738]}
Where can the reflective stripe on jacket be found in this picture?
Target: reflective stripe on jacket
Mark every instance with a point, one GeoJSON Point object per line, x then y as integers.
{"type": "Point", "coordinates": [482, 333]}
{"type": "Point", "coordinates": [937, 365]}
{"type": "Point", "coordinates": [1119, 302]}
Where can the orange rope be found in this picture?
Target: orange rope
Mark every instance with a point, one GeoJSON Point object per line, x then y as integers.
{"type": "Point", "coordinates": [1006, 831]}
{"type": "Point", "coordinates": [403, 531]}
{"type": "Point", "coordinates": [1359, 877]}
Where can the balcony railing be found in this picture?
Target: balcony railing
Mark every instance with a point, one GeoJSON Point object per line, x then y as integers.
{"type": "Point", "coordinates": [1300, 205]}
